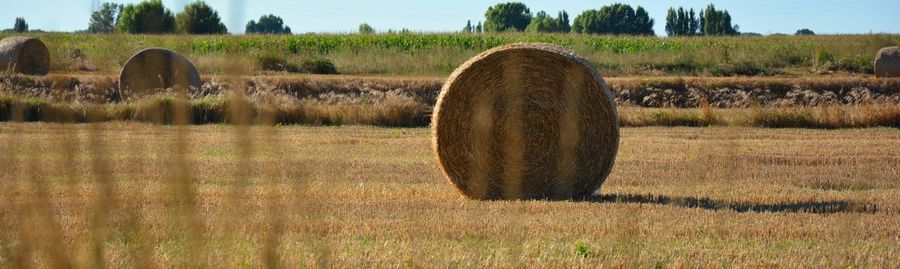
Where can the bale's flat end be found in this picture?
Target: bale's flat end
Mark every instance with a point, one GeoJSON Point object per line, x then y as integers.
{"type": "Point", "coordinates": [24, 55]}
{"type": "Point", "coordinates": [526, 121]}
{"type": "Point", "coordinates": [887, 62]}
{"type": "Point", "coordinates": [151, 70]}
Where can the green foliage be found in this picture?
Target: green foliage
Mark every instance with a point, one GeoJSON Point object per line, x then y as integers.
{"type": "Point", "coordinates": [562, 20]}
{"type": "Point", "coordinates": [404, 54]}
{"type": "Point", "coordinates": [505, 17]}
{"type": "Point", "coordinates": [582, 250]}
{"type": "Point", "coordinates": [199, 18]}
{"type": "Point", "coordinates": [318, 66]}
{"type": "Point", "coordinates": [673, 118]}
{"type": "Point", "coordinates": [783, 118]}
{"type": "Point", "coordinates": [268, 24]}
{"type": "Point", "coordinates": [315, 65]}
{"type": "Point", "coordinates": [20, 26]}
{"type": "Point", "coordinates": [149, 17]}
{"type": "Point", "coordinates": [104, 20]}
{"type": "Point", "coordinates": [269, 62]}
{"type": "Point", "coordinates": [805, 31]}
{"type": "Point", "coordinates": [682, 23]}
{"type": "Point", "coordinates": [716, 22]}
{"type": "Point", "coordinates": [828, 62]}
{"type": "Point", "coordinates": [543, 23]}
{"type": "Point", "coordinates": [478, 28]}
{"type": "Point", "coordinates": [365, 28]}
{"type": "Point", "coordinates": [468, 28]}
{"type": "Point", "coordinates": [616, 19]}
{"type": "Point", "coordinates": [824, 60]}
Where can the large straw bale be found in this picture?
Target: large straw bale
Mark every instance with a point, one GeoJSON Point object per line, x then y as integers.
{"type": "Point", "coordinates": [887, 63]}
{"type": "Point", "coordinates": [153, 69]}
{"type": "Point", "coordinates": [526, 121]}
{"type": "Point", "coordinates": [24, 55]}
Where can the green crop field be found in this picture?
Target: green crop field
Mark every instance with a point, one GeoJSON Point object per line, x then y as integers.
{"type": "Point", "coordinates": [439, 54]}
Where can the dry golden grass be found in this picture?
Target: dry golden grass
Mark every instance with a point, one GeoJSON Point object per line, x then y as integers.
{"type": "Point", "coordinates": [133, 195]}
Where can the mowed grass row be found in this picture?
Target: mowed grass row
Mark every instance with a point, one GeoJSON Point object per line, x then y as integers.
{"type": "Point", "coordinates": [440, 53]}
{"type": "Point", "coordinates": [122, 194]}
{"type": "Point", "coordinates": [399, 110]}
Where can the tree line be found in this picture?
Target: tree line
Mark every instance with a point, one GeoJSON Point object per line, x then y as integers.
{"type": "Point", "coordinates": [151, 17]}
{"type": "Point", "coordinates": [615, 19]}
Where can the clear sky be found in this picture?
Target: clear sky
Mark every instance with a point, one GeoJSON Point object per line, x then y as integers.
{"type": "Point", "coordinates": [760, 16]}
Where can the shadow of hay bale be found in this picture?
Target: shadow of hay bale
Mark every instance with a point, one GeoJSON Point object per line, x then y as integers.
{"type": "Point", "coordinates": [153, 69]}
{"type": "Point", "coordinates": [526, 121]}
{"type": "Point", "coordinates": [887, 63]}
{"type": "Point", "coordinates": [815, 207]}
{"type": "Point", "coordinates": [24, 55]}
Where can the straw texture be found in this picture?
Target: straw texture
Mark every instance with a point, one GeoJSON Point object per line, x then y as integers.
{"type": "Point", "coordinates": [24, 55]}
{"type": "Point", "coordinates": [887, 63]}
{"type": "Point", "coordinates": [153, 69]}
{"type": "Point", "coordinates": [526, 121]}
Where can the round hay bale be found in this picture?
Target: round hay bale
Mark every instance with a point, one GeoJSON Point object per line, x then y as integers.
{"type": "Point", "coordinates": [887, 63]}
{"type": "Point", "coordinates": [526, 121]}
{"type": "Point", "coordinates": [24, 55]}
{"type": "Point", "coordinates": [153, 69]}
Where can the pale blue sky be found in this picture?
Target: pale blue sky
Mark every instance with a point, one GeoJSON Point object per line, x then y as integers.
{"type": "Point", "coordinates": [760, 16]}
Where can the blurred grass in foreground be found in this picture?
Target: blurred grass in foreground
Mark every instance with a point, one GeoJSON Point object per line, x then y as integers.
{"type": "Point", "coordinates": [128, 195]}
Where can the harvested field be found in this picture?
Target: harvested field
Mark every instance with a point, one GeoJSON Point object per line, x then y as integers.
{"type": "Point", "coordinates": [119, 195]}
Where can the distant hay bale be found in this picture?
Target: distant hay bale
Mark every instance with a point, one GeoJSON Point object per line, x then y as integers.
{"type": "Point", "coordinates": [887, 63]}
{"type": "Point", "coordinates": [153, 69]}
{"type": "Point", "coordinates": [526, 121]}
{"type": "Point", "coordinates": [24, 55]}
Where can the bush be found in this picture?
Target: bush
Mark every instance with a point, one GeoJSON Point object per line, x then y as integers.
{"type": "Point", "coordinates": [149, 17]}
{"type": "Point", "coordinates": [582, 249]}
{"type": "Point", "coordinates": [744, 68]}
{"type": "Point", "coordinates": [275, 63]}
{"type": "Point", "coordinates": [268, 24]}
{"type": "Point", "coordinates": [783, 118]}
{"type": "Point", "coordinates": [318, 66]}
{"type": "Point", "coordinates": [199, 18]}
{"type": "Point", "coordinates": [824, 61]}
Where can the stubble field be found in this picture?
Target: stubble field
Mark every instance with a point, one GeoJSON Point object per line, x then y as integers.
{"type": "Point", "coordinates": [136, 195]}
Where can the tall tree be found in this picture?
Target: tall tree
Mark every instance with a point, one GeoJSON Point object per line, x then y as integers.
{"type": "Point", "coordinates": [468, 28]}
{"type": "Point", "coordinates": [716, 22]}
{"type": "Point", "coordinates": [512, 16]}
{"type": "Point", "coordinates": [693, 23]}
{"type": "Point", "coordinates": [562, 19]}
{"type": "Point", "coordinates": [365, 28]}
{"type": "Point", "coordinates": [642, 23]}
{"type": "Point", "coordinates": [268, 24]}
{"type": "Point", "coordinates": [615, 19]}
{"type": "Point", "coordinates": [199, 18]}
{"type": "Point", "coordinates": [148, 17]}
{"type": "Point", "coordinates": [543, 23]}
{"type": "Point", "coordinates": [681, 22]}
{"type": "Point", "coordinates": [478, 28]}
{"type": "Point", "coordinates": [672, 22]}
{"type": "Point", "coordinates": [104, 19]}
{"type": "Point", "coordinates": [20, 26]}
{"type": "Point", "coordinates": [805, 31]}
